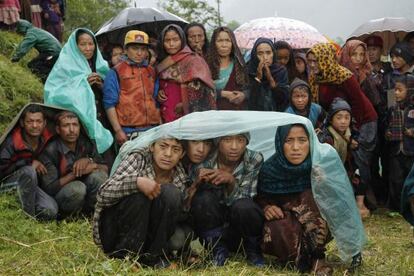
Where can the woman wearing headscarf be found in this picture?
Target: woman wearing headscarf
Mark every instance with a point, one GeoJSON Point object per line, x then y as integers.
{"type": "Point", "coordinates": [197, 38]}
{"type": "Point", "coordinates": [228, 70]}
{"type": "Point", "coordinates": [354, 56]}
{"type": "Point", "coordinates": [268, 80]}
{"type": "Point", "coordinates": [285, 57]}
{"type": "Point", "coordinates": [185, 80]}
{"type": "Point", "coordinates": [294, 230]}
{"type": "Point", "coordinates": [75, 83]}
{"type": "Point", "coordinates": [329, 80]}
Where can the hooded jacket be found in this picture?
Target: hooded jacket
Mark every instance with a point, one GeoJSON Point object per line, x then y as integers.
{"type": "Point", "coordinates": [45, 43]}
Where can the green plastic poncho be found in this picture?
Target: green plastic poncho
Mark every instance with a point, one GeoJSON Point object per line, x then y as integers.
{"type": "Point", "coordinates": [330, 184]}
{"type": "Point", "coordinates": [67, 86]}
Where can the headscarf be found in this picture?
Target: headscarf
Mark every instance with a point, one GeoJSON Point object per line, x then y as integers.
{"type": "Point", "coordinates": [275, 68]}
{"type": "Point", "coordinates": [278, 175]}
{"type": "Point", "coordinates": [361, 71]}
{"type": "Point", "coordinates": [179, 31]}
{"type": "Point", "coordinates": [206, 43]}
{"type": "Point", "coordinates": [67, 87]}
{"type": "Point", "coordinates": [213, 59]}
{"type": "Point", "coordinates": [329, 69]}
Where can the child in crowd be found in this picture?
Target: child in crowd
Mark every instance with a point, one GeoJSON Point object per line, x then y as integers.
{"type": "Point", "coordinates": [301, 65]}
{"type": "Point", "coordinates": [400, 134]}
{"type": "Point", "coordinates": [337, 132]}
{"type": "Point", "coordinates": [300, 104]}
{"type": "Point", "coordinates": [117, 54]}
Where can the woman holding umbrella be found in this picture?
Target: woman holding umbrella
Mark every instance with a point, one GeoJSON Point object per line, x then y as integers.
{"type": "Point", "coordinates": [185, 80]}
{"type": "Point", "coordinates": [330, 80]}
{"type": "Point", "coordinates": [228, 70]}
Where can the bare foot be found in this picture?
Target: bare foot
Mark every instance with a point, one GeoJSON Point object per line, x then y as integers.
{"type": "Point", "coordinates": [364, 212]}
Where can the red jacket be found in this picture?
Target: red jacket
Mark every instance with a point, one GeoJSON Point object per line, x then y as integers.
{"type": "Point", "coordinates": [350, 91]}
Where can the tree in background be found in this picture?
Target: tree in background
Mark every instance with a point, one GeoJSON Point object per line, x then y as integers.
{"type": "Point", "coordinates": [194, 11]}
{"type": "Point", "coordinates": [91, 14]}
{"type": "Point", "coordinates": [233, 24]}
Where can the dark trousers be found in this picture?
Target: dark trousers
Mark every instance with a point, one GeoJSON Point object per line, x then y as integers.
{"type": "Point", "coordinates": [243, 219]}
{"type": "Point", "coordinates": [400, 166]}
{"type": "Point", "coordinates": [138, 225]}
{"type": "Point", "coordinates": [42, 65]}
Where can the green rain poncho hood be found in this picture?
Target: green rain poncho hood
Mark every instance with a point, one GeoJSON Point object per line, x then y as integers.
{"type": "Point", "coordinates": [67, 86]}
{"type": "Point", "coordinates": [330, 184]}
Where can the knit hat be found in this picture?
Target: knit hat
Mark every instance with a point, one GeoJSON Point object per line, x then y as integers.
{"type": "Point", "coordinates": [245, 134]}
{"type": "Point", "coordinates": [338, 104]}
{"type": "Point", "coordinates": [403, 50]}
{"type": "Point", "coordinates": [374, 40]}
{"type": "Point", "coordinates": [296, 83]}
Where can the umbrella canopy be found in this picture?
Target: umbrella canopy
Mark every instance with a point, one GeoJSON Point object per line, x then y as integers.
{"type": "Point", "coordinates": [390, 29]}
{"type": "Point", "coordinates": [150, 20]}
{"type": "Point", "coordinates": [297, 33]}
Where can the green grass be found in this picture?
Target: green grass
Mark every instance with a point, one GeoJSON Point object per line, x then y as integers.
{"type": "Point", "coordinates": [17, 85]}
{"type": "Point", "coordinates": [31, 247]}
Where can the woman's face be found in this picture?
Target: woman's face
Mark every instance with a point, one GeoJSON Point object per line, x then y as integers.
{"type": "Point", "coordinates": [172, 42]}
{"type": "Point", "coordinates": [223, 44]}
{"type": "Point", "coordinates": [282, 56]}
{"type": "Point", "coordinates": [312, 63]}
{"type": "Point", "coordinates": [358, 56]}
{"type": "Point", "coordinates": [300, 65]}
{"type": "Point", "coordinates": [196, 38]}
{"type": "Point", "coordinates": [265, 53]}
{"type": "Point", "coordinates": [296, 146]}
{"type": "Point", "coordinates": [86, 45]}
{"type": "Point", "coordinates": [198, 151]}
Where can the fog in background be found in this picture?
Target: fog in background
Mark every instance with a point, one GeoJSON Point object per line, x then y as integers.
{"type": "Point", "coordinates": [334, 18]}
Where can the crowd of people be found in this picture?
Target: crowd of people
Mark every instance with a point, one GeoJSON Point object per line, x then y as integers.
{"type": "Point", "coordinates": [44, 14]}
{"type": "Point", "coordinates": [166, 194]}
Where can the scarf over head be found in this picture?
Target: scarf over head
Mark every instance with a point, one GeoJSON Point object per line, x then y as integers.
{"type": "Point", "coordinates": [361, 71]}
{"type": "Point", "coordinates": [278, 175]}
{"type": "Point", "coordinates": [67, 87]}
{"type": "Point", "coordinates": [329, 69]}
{"type": "Point", "coordinates": [183, 67]}
{"type": "Point", "coordinates": [275, 69]}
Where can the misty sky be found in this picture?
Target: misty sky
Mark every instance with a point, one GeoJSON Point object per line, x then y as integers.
{"type": "Point", "coordinates": [331, 17]}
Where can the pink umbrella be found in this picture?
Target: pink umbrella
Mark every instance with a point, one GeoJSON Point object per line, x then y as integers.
{"type": "Point", "coordinates": [297, 33]}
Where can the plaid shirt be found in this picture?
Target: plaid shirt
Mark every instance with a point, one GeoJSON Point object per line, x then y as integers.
{"type": "Point", "coordinates": [246, 174]}
{"type": "Point", "coordinates": [124, 183]}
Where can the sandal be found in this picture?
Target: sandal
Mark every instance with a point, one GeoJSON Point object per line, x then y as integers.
{"type": "Point", "coordinates": [322, 269]}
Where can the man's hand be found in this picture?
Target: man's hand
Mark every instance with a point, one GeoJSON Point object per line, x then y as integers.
{"type": "Point", "coordinates": [273, 212]}
{"type": "Point", "coordinates": [409, 132]}
{"type": "Point", "coordinates": [120, 137]}
{"type": "Point", "coordinates": [39, 167]}
{"type": "Point", "coordinates": [354, 144]}
{"type": "Point", "coordinates": [79, 167]}
{"type": "Point", "coordinates": [219, 177]}
{"type": "Point", "coordinates": [149, 187]}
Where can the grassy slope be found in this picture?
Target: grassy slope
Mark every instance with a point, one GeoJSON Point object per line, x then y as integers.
{"type": "Point", "coordinates": [17, 85]}
{"type": "Point", "coordinates": [30, 247]}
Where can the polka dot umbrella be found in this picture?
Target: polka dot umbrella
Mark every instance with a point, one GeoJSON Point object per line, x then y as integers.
{"type": "Point", "coordinates": [298, 34]}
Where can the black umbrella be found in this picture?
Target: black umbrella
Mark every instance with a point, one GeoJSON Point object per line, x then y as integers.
{"type": "Point", "coordinates": [149, 20]}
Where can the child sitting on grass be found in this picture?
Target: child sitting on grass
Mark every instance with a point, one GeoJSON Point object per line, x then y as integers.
{"type": "Point", "coordinates": [400, 134]}
{"type": "Point", "coordinates": [337, 132]}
